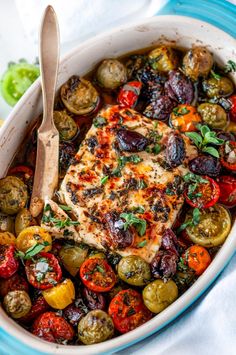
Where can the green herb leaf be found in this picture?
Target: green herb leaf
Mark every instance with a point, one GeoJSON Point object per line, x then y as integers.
{"type": "Point", "coordinates": [138, 209]}
{"type": "Point", "coordinates": [204, 129]}
{"type": "Point", "coordinates": [212, 151]}
{"type": "Point", "coordinates": [142, 244]}
{"type": "Point", "coordinates": [100, 269]}
{"type": "Point", "coordinates": [156, 149]}
{"type": "Point", "coordinates": [196, 216]}
{"type": "Point", "coordinates": [169, 192]}
{"type": "Point", "coordinates": [65, 208]}
{"type": "Point", "coordinates": [131, 220]}
{"type": "Point", "coordinates": [191, 177]}
{"type": "Point", "coordinates": [104, 179]}
{"type": "Point", "coordinates": [230, 67]}
{"type": "Point", "coordinates": [32, 251]}
{"type": "Point", "coordinates": [122, 160]}
{"type": "Point", "coordinates": [63, 223]}
{"type": "Point", "coordinates": [99, 121]}
{"type": "Point", "coordinates": [195, 137]}
{"type": "Point", "coordinates": [180, 111]}
{"type": "Point", "coordinates": [215, 76]}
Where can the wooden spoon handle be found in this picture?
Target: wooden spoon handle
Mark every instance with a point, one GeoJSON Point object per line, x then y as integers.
{"type": "Point", "coordinates": [49, 58]}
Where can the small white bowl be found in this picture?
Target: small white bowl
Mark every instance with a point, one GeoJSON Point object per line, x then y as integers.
{"type": "Point", "coordinates": [182, 31]}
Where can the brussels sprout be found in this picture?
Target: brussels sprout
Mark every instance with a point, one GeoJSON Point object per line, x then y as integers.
{"type": "Point", "coordinates": [218, 87]}
{"type": "Point", "coordinates": [197, 62]}
{"type": "Point", "coordinates": [23, 220]}
{"type": "Point", "coordinates": [65, 124]}
{"type": "Point", "coordinates": [17, 304]}
{"type": "Point", "coordinates": [72, 257]}
{"type": "Point", "coordinates": [158, 295]}
{"type": "Point", "coordinates": [134, 270]}
{"type": "Point", "coordinates": [111, 74]}
{"type": "Point", "coordinates": [163, 59]}
{"type": "Point", "coordinates": [213, 115]}
{"type": "Point", "coordinates": [6, 223]}
{"type": "Point", "coordinates": [79, 96]}
{"type": "Point", "coordinates": [13, 194]}
{"type": "Point", "coordinates": [95, 327]}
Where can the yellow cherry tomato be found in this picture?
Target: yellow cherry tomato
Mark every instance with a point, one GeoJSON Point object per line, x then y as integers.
{"type": "Point", "coordinates": [31, 236]}
{"type": "Point", "coordinates": [7, 238]}
{"type": "Point", "coordinates": [61, 295]}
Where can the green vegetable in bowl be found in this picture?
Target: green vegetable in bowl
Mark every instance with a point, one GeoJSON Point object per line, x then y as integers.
{"type": "Point", "coordinates": [213, 115]}
{"type": "Point", "coordinates": [197, 62]}
{"type": "Point", "coordinates": [163, 58]}
{"type": "Point", "coordinates": [17, 79]}
{"type": "Point", "coordinates": [134, 270]}
{"type": "Point", "coordinates": [218, 87]}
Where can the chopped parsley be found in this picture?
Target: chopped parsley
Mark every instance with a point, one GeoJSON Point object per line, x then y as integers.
{"type": "Point", "coordinates": [104, 179]}
{"type": "Point", "coordinates": [194, 221]}
{"type": "Point", "coordinates": [65, 208]}
{"type": "Point", "coordinates": [99, 122]}
{"type": "Point", "coordinates": [142, 244]}
{"type": "Point", "coordinates": [230, 67]}
{"type": "Point", "coordinates": [123, 160]}
{"type": "Point", "coordinates": [131, 220]}
{"type": "Point", "coordinates": [63, 223]}
{"type": "Point", "coordinates": [215, 76]}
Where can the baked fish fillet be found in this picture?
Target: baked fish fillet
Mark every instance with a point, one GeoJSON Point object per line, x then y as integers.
{"type": "Point", "coordinates": [105, 180]}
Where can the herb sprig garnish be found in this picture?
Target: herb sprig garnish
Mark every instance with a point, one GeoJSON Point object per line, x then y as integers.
{"type": "Point", "coordinates": [63, 223]}
{"type": "Point", "coordinates": [204, 138]}
{"type": "Point", "coordinates": [180, 111]}
{"type": "Point", "coordinates": [123, 160]}
{"type": "Point", "coordinates": [194, 221]}
{"type": "Point", "coordinates": [32, 251]}
{"type": "Point", "coordinates": [230, 67]}
{"type": "Point", "coordinates": [193, 181]}
{"type": "Point", "coordinates": [131, 220]}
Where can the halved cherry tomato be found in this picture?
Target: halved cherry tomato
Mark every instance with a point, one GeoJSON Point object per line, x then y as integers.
{"type": "Point", "coordinates": [31, 236]}
{"type": "Point", "coordinates": [39, 306]}
{"type": "Point", "coordinates": [185, 118]}
{"type": "Point", "coordinates": [14, 283]}
{"type": "Point", "coordinates": [197, 258]}
{"type": "Point", "coordinates": [52, 327]}
{"type": "Point", "coordinates": [202, 195]}
{"type": "Point", "coordinates": [128, 311]}
{"type": "Point", "coordinates": [8, 262]}
{"type": "Point", "coordinates": [128, 95]}
{"type": "Point", "coordinates": [61, 295]}
{"type": "Point", "coordinates": [228, 155]}
{"type": "Point", "coordinates": [227, 186]}
{"type": "Point", "coordinates": [232, 112]}
{"type": "Point", "coordinates": [43, 271]}
{"type": "Point", "coordinates": [97, 275]}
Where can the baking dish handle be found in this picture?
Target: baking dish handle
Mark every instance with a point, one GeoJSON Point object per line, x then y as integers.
{"type": "Point", "coordinates": [220, 13]}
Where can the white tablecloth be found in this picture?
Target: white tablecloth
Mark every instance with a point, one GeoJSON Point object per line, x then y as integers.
{"type": "Point", "coordinates": [209, 326]}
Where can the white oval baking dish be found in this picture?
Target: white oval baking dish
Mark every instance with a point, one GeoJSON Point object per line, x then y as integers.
{"type": "Point", "coordinates": [183, 31]}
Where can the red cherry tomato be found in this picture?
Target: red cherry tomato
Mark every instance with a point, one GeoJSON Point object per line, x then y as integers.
{"type": "Point", "coordinates": [128, 95]}
{"type": "Point", "coordinates": [202, 195]}
{"type": "Point", "coordinates": [52, 327]}
{"type": "Point", "coordinates": [128, 311]}
{"type": "Point", "coordinates": [97, 275]}
{"type": "Point", "coordinates": [39, 306]}
{"type": "Point", "coordinates": [43, 271]}
{"type": "Point", "coordinates": [228, 155]}
{"type": "Point", "coordinates": [14, 283]}
{"type": "Point", "coordinates": [8, 262]}
{"type": "Point", "coordinates": [197, 258]}
{"type": "Point", "coordinates": [232, 112]}
{"type": "Point", "coordinates": [227, 186]}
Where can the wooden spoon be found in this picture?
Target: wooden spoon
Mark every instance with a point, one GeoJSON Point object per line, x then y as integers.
{"type": "Point", "coordinates": [47, 161]}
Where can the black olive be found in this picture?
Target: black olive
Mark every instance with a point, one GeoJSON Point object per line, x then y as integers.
{"type": "Point", "coordinates": [160, 108]}
{"type": "Point", "coordinates": [179, 87]}
{"type": "Point", "coordinates": [131, 141]}
{"type": "Point", "coordinates": [94, 300]}
{"type": "Point", "coordinates": [175, 150]}
{"type": "Point", "coordinates": [205, 165]}
{"type": "Point", "coordinates": [226, 136]}
{"type": "Point", "coordinates": [120, 238]}
{"type": "Point", "coordinates": [73, 314]}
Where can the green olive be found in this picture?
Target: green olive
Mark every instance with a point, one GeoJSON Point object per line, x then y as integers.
{"type": "Point", "coordinates": [158, 295]}
{"type": "Point", "coordinates": [134, 270]}
{"type": "Point", "coordinates": [6, 223]}
{"type": "Point", "coordinates": [213, 227]}
{"type": "Point", "coordinates": [111, 74]}
{"type": "Point", "coordinates": [197, 62]}
{"type": "Point", "coordinates": [17, 304]}
{"type": "Point", "coordinates": [13, 195]}
{"type": "Point", "coordinates": [72, 257]}
{"type": "Point", "coordinates": [95, 327]}
{"type": "Point", "coordinates": [65, 124]}
{"type": "Point", "coordinates": [23, 220]}
{"type": "Point", "coordinates": [79, 96]}
{"type": "Point", "coordinates": [221, 87]}
{"type": "Point", "coordinates": [213, 115]}
{"type": "Point", "coordinates": [163, 59]}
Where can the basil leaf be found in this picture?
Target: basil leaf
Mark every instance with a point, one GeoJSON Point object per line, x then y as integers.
{"type": "Point", "coordinates": [196, 216]}
{"type": "Point", "coordinates": [142, 244]}
{"type": "Point", "coordinates": [204, 129]}
{"type": "Point", "coordinates": [195, 137]}
{"type": "Point", "coordinates": [215, 76]}
{"type": "Point", "coordinates": [132, 220]}
{"type": "Point", "coordinates": [212, 151]}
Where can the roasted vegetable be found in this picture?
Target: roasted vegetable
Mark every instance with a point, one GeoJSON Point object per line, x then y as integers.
{"type": "Point", "coordinates": [163, 58]}
{"type": "Point", "coordinates": [185, 118]}
{"type": "Point", "coordinates": [31, 236]}
{"type": "Point", "coordinates": [65, 124]}
{"type": "Point", "coordinates": [197, 258]}
{"type": "Point", "coordinates": [6, 223]}
{"type": "Point", "coordinates": [134, 270]}
{"type": "Point", "coordinates": [23, 220]}
{"type": "Point", "coordinates": [111, 74]}
{"type": "Point", "coordinates": [61, 295]}
{"type": "Point", "coordinates": [227, 186]}
{"type": "Point", "coordinates": [72, 257]}
{"type": "Point", "coordinates": [17, 303]}
{"type": "Point", "coordinates": [218, 87]}
{"type": "Point", "coordinates": [213, 115]}
{"type": "Point", "coordinates": [95, 327]}
{"type": "Point", "coordinates": [158, 295]}
{"type": "Point", "coordinates": [197, 62]}
{"type": "Point", "coordinates": [79, 96]}
{"type": "Point", "coordinates": [8, 262]}
{"type": "Point", "coordinates": [13, 195]}
{"type": "Point", "coordinates": [7, 238]}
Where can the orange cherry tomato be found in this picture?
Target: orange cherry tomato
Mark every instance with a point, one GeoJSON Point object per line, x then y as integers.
{"type": "Point", "coordinates": [128, 311]}
{"type": "Point", "coordinates": [185, 118]}
{"type": "Point", "coordinates": [97, 275]}
{"type": "Point", "coordinates": [197, 258]}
